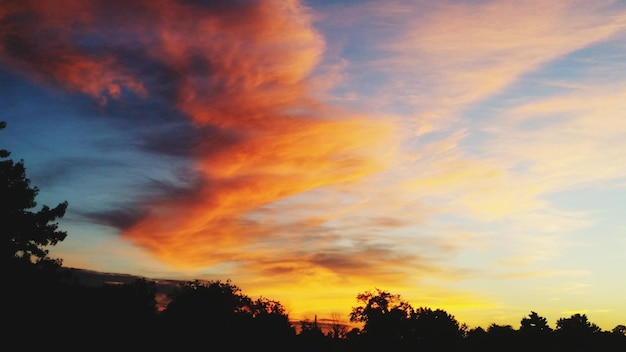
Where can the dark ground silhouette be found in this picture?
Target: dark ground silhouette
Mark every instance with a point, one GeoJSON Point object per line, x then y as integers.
{"type": "Point", "coordinates": [55, 310]}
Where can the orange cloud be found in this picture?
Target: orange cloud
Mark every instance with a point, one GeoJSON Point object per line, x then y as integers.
{"type": "Point", "coordinates": [247, 76]}
{"type": "Point", "coordinates": [249, 175]}
{"type": "Point", "coordinates": [38, 38]}
{"type": "Point", "coordinates": [241, 69]}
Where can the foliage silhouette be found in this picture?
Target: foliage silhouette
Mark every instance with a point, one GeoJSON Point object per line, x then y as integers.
{"type": "Point", "coordinates": [26, 234]}
{"type": "Point", "coordinates": [390, 322]}
{"type": "Point", "coordinates": [476, 339]}
{"type": "Point", "coordinates": [384, 316]}
{"type": "Point", "coordinates": [434, 329]}
{"type": "Point", "coordinates": [383, 313]}
{"type": "Point", "coordinates": [576, 325]}
{"type": "Point", "coordinates": [535, 331]}
{"type": "Point", "coordinates": [619, 329]}
{"type": "Point", "coordinates": [501, 337]}
{"type": "Point", "coordinates": [534, 324]}
{"type": "Point", "coordinates": [220, 311]}
{"type": "Point", "coordinates": [33, 280]}
{"type": "Point", "coordinates": [576, 331]}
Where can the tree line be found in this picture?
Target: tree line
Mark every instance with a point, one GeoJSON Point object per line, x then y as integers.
{"type": "Point", "coordinates": [46, 306]}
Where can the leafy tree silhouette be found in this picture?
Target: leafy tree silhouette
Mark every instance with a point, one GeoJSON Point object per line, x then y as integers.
{"type": "Point", "coordinates": [476, 339]}
{"type": "Point", "coordinates": [576, 332]}
{"type": "Point", "coordinates": [385, 316]}
{"type": "Point", "coordinates": [617, 337]}
{"type": "Point", "coordinates": [26, 233]}
{"type": "Point", "coordinates": [619, 330]}
{"type": "Point", "coordinates": [210, 307]}
{"type": "Point", "coordinates": [434, 329]}
{"type": "Point", "coordinates": [576, 325]}
{"type": "Point", "coordinates": [391, 323]}
{"type": "Point", "coordinates": [34, 279]}
{"type": "Point", "coordinates": [534, 324]}
{"type": "Point", "coordinates": [219, 311]}
{"type": "Point", "coordinates": [535, 332]}
{"type": "Point", "coordinates": [267, 323]}
{"type": "Point", "coordinates": [501, 337]}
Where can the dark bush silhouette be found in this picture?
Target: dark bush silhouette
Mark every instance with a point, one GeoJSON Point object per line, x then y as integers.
{"type": "Point", "coordinates": [619, 330]}
{"type": "Point", "coordinates": [434, 329]}
{"type": "Point", "coordinates": [385, 316]}
{"type": "Point", "coordinates": [219, 311]}
{"type": "Point", "coordinates": [501, 337]}
{"type": "Point", "coordinates": [535, 332]}
{"type": "Point", "coordinates": [390, 322]}
{"type": "Point", "coordinates": [476, 339]}
{"type": "Point", "coordinates": [534, 325]}
{"type": "Point", "coordinates": [576, 332]}
{"type": "Point", "coordinates": [576, 325]}
{"type": "Point", "coordinates": [267, 324]}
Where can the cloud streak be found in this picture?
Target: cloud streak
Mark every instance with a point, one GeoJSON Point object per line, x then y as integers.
{"type": "Point", "coordinates": [432, 60]}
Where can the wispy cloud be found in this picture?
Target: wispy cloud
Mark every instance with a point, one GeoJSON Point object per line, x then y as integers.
{"type": "Point", "coordinates": [498, 166]}
{"type": "Point", "coordinates": [435, 59]}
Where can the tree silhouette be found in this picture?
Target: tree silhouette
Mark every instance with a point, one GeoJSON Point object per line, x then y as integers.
{"type": "Point", "coordinates": [219, 311]}
{"type": "Point", "coordinates": [434, 328]}
{"type": "Point", "coordinates": [577, 332]}
{"type": "Point", "coordinates": [501, 337]}
{"type": "Point", "coordinates": [477, 339]}
{"type": "Point", "coordinates": [535, 332]}
{"type": "Point", "coordinates": [534, 324]}
{"type": "Point", "coordinates": [619, 330]}
{"type": "Point", "coordinates": [384, 314]}
{"type": "Point", "coordinates": [214, 304]}
{"type": "Point", "coordinates": [576, 325]}
{"type": "Point", "coordinates": [33, 280]}
{"type": "Point", "coordinates": [267, 323]}
{"type": "Point", "coordinates": [26, 234]}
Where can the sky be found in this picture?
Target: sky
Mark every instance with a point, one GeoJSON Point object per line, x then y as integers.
{"type": "Point", "coordinates": [467, 155]}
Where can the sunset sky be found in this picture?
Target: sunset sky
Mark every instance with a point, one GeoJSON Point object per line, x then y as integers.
{"type": "Point", "coordinates": [467, 155]}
